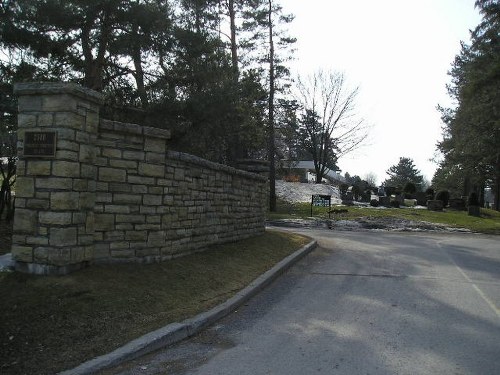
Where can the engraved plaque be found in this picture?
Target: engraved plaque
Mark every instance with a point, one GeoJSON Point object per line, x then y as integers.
{"type": "Point", "coordinates": [40, 144]}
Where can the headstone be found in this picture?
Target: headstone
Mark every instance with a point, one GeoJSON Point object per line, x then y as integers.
{"type": "Point", "coordinates": [435, 205]}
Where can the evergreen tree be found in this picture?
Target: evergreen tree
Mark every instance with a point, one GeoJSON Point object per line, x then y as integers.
{"type": "Point", "coordinates": [266, 21]}
{"type": "Point", "coordinates": [402, 173]}
{"type": "Point", "coordinates": [471, 136]}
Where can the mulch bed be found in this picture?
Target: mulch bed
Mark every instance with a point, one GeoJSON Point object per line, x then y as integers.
{"type": "Point", "coordinates": [5, 237]}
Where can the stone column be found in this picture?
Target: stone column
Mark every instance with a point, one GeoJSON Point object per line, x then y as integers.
{"type": "Point", "coordinates": [56, 183]}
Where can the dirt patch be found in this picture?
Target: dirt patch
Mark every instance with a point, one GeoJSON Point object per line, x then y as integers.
{"type": "Point", "coordinates": [367, 223]}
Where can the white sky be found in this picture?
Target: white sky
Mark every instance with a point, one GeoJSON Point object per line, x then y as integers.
{"type": "Point", "coordinates": [399, 53]}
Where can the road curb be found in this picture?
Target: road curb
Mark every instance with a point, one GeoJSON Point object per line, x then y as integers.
{"type": "Point", "coordinates": [176, 332]}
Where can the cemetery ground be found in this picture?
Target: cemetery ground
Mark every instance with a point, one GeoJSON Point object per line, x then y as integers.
{"type": "Point", "coordinates": [49, 324]}
{"type": "Point", "coordinates": [381, 218]}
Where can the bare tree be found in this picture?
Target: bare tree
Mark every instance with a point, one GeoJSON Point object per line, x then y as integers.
{"type": "Point", "coordinates": [338, 128]}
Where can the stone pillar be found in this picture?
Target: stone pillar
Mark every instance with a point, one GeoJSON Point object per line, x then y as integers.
{"type": "Point", "coordinates": [56, 180]}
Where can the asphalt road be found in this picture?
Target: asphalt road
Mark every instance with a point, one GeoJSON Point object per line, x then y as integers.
{"type": "Point", "coordinates": [362, 303]}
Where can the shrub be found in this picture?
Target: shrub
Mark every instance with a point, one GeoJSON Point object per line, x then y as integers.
{"type": "Point", "coordinates": [389, 190]}
{"type": "Point", "coordinates": [292, 178]}
{"type": "Point", "coordinates": [374, 203]}
{"type": "Point", "coordinates": [443, 196]}
{"type": "Point", "coordinates": [410, 188]}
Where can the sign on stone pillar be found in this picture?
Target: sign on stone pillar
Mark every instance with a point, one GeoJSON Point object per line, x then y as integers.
{"type": "Point", "coordinates": [56, 177]}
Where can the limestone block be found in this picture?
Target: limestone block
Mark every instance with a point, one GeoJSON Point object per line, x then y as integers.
{"type": "Point", "coordinates": [25, 121]}
{"type": "Point", "coordinates": [104, 222]}
{"type": "Point", "coordinates": [148, 210]}
{"type": "Point", "coordinates": [25, 187]}
{"type": "Point", "coordinates": [83, 137]}
{"type": "Point", "coordinates": [37, 240]}
{"type": "Point", "coordinates": [127, 199]}
{"type": "Point", "coordinates": [38, 167]}
{"type": "Point", "coordinates": [77, 254]}
{"type": "Point", "coordinates": [87, 154]}
{"type": "Point", "coordinates": [155, 145]}
{"type": "Point", "coordinates": [29, 103]}
{"type": "Point", "coordinates": [80, 184]}
{"type": "Point", "coordinates": [63, 236]}
{"type": "Point", "coordinates": [154, 157]}
{"type": "Point", "coordinates": [54, 218]}
{"type": "Point", "coordinates": [45, 120]}
{"type": "Point", "coordinates": [65, 169]}
{"type": "Point", "coordinates": [115, 187]}
{"type": "Point", "coordinates": [151, 170]}
{"type": "Point", "coordinates": [41, 254]}
{"type": "Point", "coordinates": [102, 197]}
{"type": "Point", "coordinates": [61, 102]}
{"type": "Point", "coordinates": [86, 200]}
{"type": "Point", "coordinates": [89, 222]}
{"type": "Point", "coordinates": [137, 245]}
{"type": "Point", "coordinates": [92, 122]}
{"type": "Point", "coordinates": [41, 204]}
{"type": "Point", "coordinates": [67, 155]}
{"type": "Point", "coordinates": [133, 179]}
{"type": "Point", "coordinates": [101, 251]}
{"type": "Point", "coordinates": [88, 171]}
{"type": "Point", "coordinates": [66, 135]}
{"type": "Point", "coordinates": [133, 155]}
{"type": "Point", "coordinates": [116, 209]}
{"type": "Point", "coordinates": [122, 253]}
{"type": "Point", "coordinates": [59, 257]}
{"type": "Point", "coordinates": [66, 200]}
{"type": "Point", "coordinates": [54, 183]}
{"type": "Point", "coordinates": [139, 189]}
{"type": "Point", "coordinates": [125, 164]}
{"type": "Point", "coordinates": [136, 235]}
{"type": "Point", "coordinates": [70, 120]}
{"type": "Point", "coordinates": [111, 152]}
{"type": "Point", "coordinates": [22, 253]}
{"type": "Point", "coordinates": [88, 253]}
{"type": "Point", "coordinates": [112, 174]}
{"type": "Point", "coordinates": [152, 200]}
{"type": "Point", "coordinates": [85, 239]}
{"type": "Point", "coordinates": [25, 221]}
{"type": "Point", "coordinates": [156, 238]}
{"type": "Point", "coordinates": [138, 219]}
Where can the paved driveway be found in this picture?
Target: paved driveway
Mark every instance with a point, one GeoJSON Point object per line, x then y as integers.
{"type": "Point", "coordinates": [362, 303]}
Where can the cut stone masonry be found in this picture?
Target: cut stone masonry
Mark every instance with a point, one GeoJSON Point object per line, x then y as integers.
{"type": "Point", "coordinates": [113, 192]}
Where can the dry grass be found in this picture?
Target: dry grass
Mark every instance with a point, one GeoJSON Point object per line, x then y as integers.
{"type": "Point", "coordinates": [53, 323]}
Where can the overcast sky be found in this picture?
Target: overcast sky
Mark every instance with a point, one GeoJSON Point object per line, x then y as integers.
{"type": "Point", "coordinates": [399, 53]}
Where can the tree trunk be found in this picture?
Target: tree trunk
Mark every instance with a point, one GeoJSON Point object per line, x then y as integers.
{"type": "Point", "coordinates": [139, 74]}
{"type": "Point", "coordinates": [497, 185]}
{"type": "Point", "coordinates": [234, 45]}
{"type": "Point", "coordinates": [272, 151]}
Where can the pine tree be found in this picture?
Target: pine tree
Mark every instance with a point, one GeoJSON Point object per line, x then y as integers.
{"type": "Point", "coordinates": [471, 136]}
{"type": "Point", "coordinates": [402, 173]}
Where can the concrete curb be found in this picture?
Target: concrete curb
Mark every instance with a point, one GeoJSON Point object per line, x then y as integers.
{"type": "Point", "coordinates": [176, 332]}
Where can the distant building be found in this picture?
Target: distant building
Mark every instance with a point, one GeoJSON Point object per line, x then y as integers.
{"type": "Point", "coordinates": [305, 170]}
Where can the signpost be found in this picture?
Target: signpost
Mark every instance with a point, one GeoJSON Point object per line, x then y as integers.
{"type": "Point", "coordinates": [318, 200]}
{"type": "Point", "coordinates": [40, 144]}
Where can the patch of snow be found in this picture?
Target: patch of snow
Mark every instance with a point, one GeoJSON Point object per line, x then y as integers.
{"type": "Point", "coordinates": [296, 192]}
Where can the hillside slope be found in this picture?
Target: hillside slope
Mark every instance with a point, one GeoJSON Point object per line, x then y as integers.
{"type": "Point", "coordinates": [294, 192]}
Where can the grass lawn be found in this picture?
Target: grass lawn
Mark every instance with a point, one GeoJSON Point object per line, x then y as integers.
{"type": "Point", "coordinates": [489, 222]}
{"type": "Point", "coordinates": [49, 324]}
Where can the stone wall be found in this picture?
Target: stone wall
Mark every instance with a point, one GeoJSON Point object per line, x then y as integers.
{"type": "Point", "coordinates": [113, 192]}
